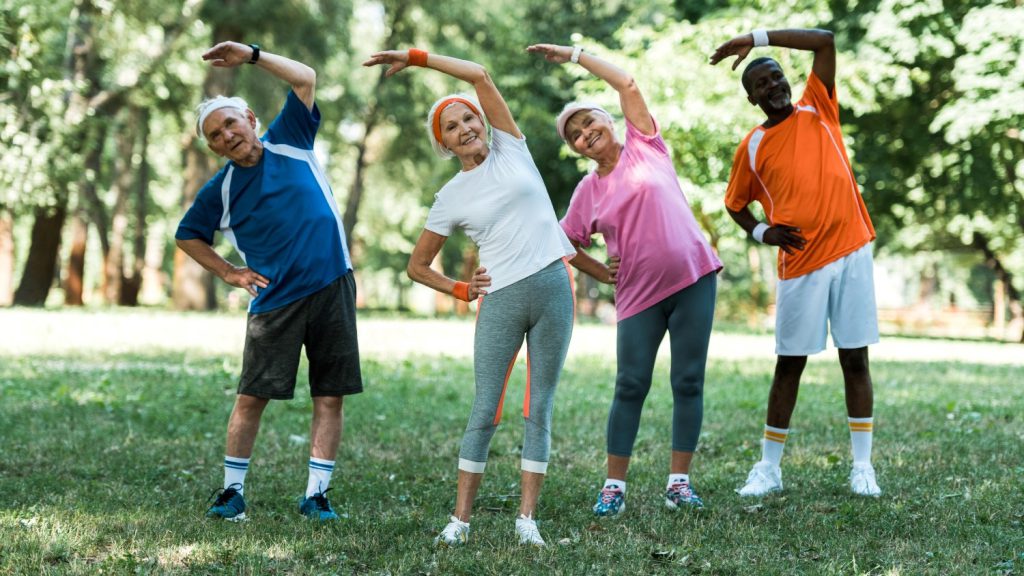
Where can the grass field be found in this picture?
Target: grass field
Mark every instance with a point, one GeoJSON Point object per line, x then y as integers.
{"type": "Point", "coordinates": [109, 452]}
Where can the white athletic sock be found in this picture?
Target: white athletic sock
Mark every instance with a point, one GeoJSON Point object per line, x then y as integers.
{"type": "Point", "coordinates": [677, 479]}
{"type": "Point", "coordinates": [319, 476]}
{"type": "Point", "coordinates": [615, 485]}
{"type": "Point", "coordinates": [234, 472]}
{"type": "Point", "coordinates": [772, 444]}
{"type": "Point", "coordinates": [860, 437]}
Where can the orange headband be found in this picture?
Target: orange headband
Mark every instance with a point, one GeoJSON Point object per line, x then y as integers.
{"type": "Point", "coordinates": [441, 107]}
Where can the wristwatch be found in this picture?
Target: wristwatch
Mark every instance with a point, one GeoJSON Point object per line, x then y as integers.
{"type": "Point", "coordinates": [255, 53]}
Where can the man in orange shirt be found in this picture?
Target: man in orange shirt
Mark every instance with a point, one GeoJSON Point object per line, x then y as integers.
{"type": "Point", "coordinates": [796, 166]}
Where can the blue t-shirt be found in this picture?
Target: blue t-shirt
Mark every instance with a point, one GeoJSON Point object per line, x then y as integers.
{"type": "Point", "coordinates": [279, 214]}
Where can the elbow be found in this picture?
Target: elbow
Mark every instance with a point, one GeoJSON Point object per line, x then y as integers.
{"type": "Point", "coordinates": [828, 39]}
{"type": "Point", "coordinates": [413, 272]}
{"type": "Point", "coordinates": [480, 77]}
{"type": "Point", "coordinates": [627, 85]}
{"type": "Point", "coordinates": [308, 78]}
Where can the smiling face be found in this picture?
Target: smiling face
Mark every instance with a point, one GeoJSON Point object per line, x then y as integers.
{"type": "Point", "coordinates": [590, 133]}
{"type": "Point", "coordinates": [231, 133]}
{"type": "Point", "coordinates": [768, 88]}
{"type": "Point", "coordinates": [462, 131]}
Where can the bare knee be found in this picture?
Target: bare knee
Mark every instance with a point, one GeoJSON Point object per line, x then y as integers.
{"type": "Point", "coordinates": [854, 361]}
{"type": "Point", "coordinates": [328, 404]}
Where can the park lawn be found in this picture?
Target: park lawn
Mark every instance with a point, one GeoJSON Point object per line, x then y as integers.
{"type": "Point", "coordinates": [106, 463]}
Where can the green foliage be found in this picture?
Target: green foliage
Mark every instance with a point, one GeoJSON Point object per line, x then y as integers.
{"type": "Point", "coordinates": [931, 96]}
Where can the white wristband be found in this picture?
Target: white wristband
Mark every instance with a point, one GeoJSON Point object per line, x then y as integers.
{"type": "Point", "coordinates": [576, 51]}
{"type": "Point", "coordinates": [760, 37]}
{"type": "Point", "coordinates": [759, 230]}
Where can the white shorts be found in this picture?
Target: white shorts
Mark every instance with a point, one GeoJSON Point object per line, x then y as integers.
{"type": "Point", "coordinates": [840, 296]}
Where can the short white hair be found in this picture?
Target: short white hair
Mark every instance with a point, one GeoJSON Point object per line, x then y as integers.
{"type": "Point", "coordinates": [206, 107]}
{"type": "Point", "coordinates": [436, 144]}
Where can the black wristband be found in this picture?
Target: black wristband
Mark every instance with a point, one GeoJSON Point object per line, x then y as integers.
{"type": "Point", "coordinates": [255, 53]}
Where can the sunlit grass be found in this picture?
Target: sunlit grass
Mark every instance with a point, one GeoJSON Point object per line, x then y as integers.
{"type": "Point", "coordinates": [107, 460]}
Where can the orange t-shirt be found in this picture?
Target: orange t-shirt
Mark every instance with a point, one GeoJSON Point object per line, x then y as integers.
{"type": "Point", "coordinates": [800, 173]}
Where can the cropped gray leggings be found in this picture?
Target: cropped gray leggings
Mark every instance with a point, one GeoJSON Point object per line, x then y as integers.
{"type": "Point", "coordinates": [687, 316]}
{"type": "Point", "coordinates": [541, 307]}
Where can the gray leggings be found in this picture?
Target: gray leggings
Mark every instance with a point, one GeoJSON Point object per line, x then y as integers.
{"type": "Point", "coordinates": [541, 307]}
{"type": "Point", "coordinates": [687, 316]}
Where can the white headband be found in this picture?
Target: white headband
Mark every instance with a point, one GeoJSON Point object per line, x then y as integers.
{"type": "Point", "coordinates": [572, 108]}
{"type": "Point", "coordinates": [216, 103]}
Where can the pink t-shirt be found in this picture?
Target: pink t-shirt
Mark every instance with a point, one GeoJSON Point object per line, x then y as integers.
{"type": "Point", "coordinates": [645, 219]}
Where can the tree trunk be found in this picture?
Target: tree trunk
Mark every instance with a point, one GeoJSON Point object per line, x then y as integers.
{"type": "Point", "coordinates": [372, 116]}
{"type": "Point", "coordinates": [192, 287]}
{"type": "Point", "coordinates": [41, 264]}
{"type": "Point", "coordinates": [80, 68]}
{"type": "Point", "coordinates": [6, 257]}
{"type": "Point", "coordinates": [131, 284]}
{"type": "Point", "coordinates": [74, 282]}
{"type": "Point", "coordinates": [113, 258]}
{"type": "Point", "coordinates": [992, 261]}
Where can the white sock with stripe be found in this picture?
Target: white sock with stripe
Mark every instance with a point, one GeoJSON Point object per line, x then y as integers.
{"type": "Point", "coordinates": [234, 472]}
{"type": "Point", "coordinates": [677, 479]}
{"type": "Point", "coordinates": [861, 430]}
{"type": "Point", "coordinates": [319, 476]}
{"type": "Point", "coordinates": [612, 483]}
{"type": "Point", "coordinates": [772, 444]}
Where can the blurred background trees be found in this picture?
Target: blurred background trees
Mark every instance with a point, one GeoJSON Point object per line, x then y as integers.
{"type": "Point", "coordinates": [99, 160]}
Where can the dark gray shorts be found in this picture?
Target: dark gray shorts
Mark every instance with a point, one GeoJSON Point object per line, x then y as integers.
{"type": "Point", "coordinates": [325, 322]}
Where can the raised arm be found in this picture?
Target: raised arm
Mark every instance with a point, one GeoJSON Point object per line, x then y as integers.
{"type": "Point", "coordinates": [491, 101]}
{"type": "Point", "coordinates": [301, 77]}
{"type": "Point", "coordinates": [634, 107]}
{"type": "Point", "coordinates": [821, 42]}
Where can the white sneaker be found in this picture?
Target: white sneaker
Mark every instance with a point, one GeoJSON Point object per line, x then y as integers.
{"type": "Point", "coordinates": [456, 533]}
{"type": "Point", "coordinates": [526, 528]}
{"type": "Point", "coordinates": [862, 480]}
{"type": "Point", "coordinates": [763, 479]}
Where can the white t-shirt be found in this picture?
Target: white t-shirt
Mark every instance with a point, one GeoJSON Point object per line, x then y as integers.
{"type": "Point", "coordinates": [504, 208]}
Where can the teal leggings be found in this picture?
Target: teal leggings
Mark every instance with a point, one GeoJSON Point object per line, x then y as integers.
{"type": "Point", "coordinates": [687, 316]}
{"type": "Point", "coordinates": [539, 308]}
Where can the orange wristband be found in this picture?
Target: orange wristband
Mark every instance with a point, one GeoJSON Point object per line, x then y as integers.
{"type": "Point", "coordinates": [461, 291]}
{"type": "Point", "coordinates": [417, 57]}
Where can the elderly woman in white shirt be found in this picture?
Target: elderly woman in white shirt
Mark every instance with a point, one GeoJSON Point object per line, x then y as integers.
{"type": "Point", "coordinates": [524, 283]}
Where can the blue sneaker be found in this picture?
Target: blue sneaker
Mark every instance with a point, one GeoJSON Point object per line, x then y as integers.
{"type": "Point", "coordinates": [680, 495]}
{"type": "Point", "coordinates": [610, 501]}
{"type": "Point", "coordinates": [229, 505]}
{"type": "Point", "coordinates": [317, 507]}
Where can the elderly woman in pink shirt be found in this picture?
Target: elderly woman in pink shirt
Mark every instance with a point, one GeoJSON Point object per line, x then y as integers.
{"type": "Point", "coordinates": [663, 268]}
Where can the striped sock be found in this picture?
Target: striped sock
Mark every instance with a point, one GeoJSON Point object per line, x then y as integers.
{"type": "Point", "coordinates": [677, 479]}
{"type": "Point", "coordinates": [234, 472]}
{"type": "Point", "coordinates": [319, 476]}
{"type": "Point", "coordinates": [615, 485]}
{"type": "Point", "coordinates": [860, 437]}
{"type": "Point", "coordinates": [773, 443]}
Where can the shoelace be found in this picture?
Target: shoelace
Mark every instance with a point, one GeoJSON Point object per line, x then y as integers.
{"type": "Point", "coordinates": [320, 499]}
{"type": "Point", "coordinates": [681, 488]}
{"type": "Point", "coordinates": [223, 495]}
{"type": "Point", "coordinates": [454, 528]}
{"type": "Point", "coordinates": [529, 531]}
{"type": "Point", "coordinates": [608, 495]}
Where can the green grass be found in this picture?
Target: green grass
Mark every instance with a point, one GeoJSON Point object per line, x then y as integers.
{"type": "Point", "coordinates": [106, 463]}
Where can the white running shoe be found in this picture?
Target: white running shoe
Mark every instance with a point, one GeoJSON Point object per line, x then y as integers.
{"type": "Point", "coordinates": [763, 479]}
{"type": "Point", "coordinates": [862, 480]}
{"type": "Point", "coordinates": [526, 528]}
{"type": "Point", "coordinates": [456, 533]}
